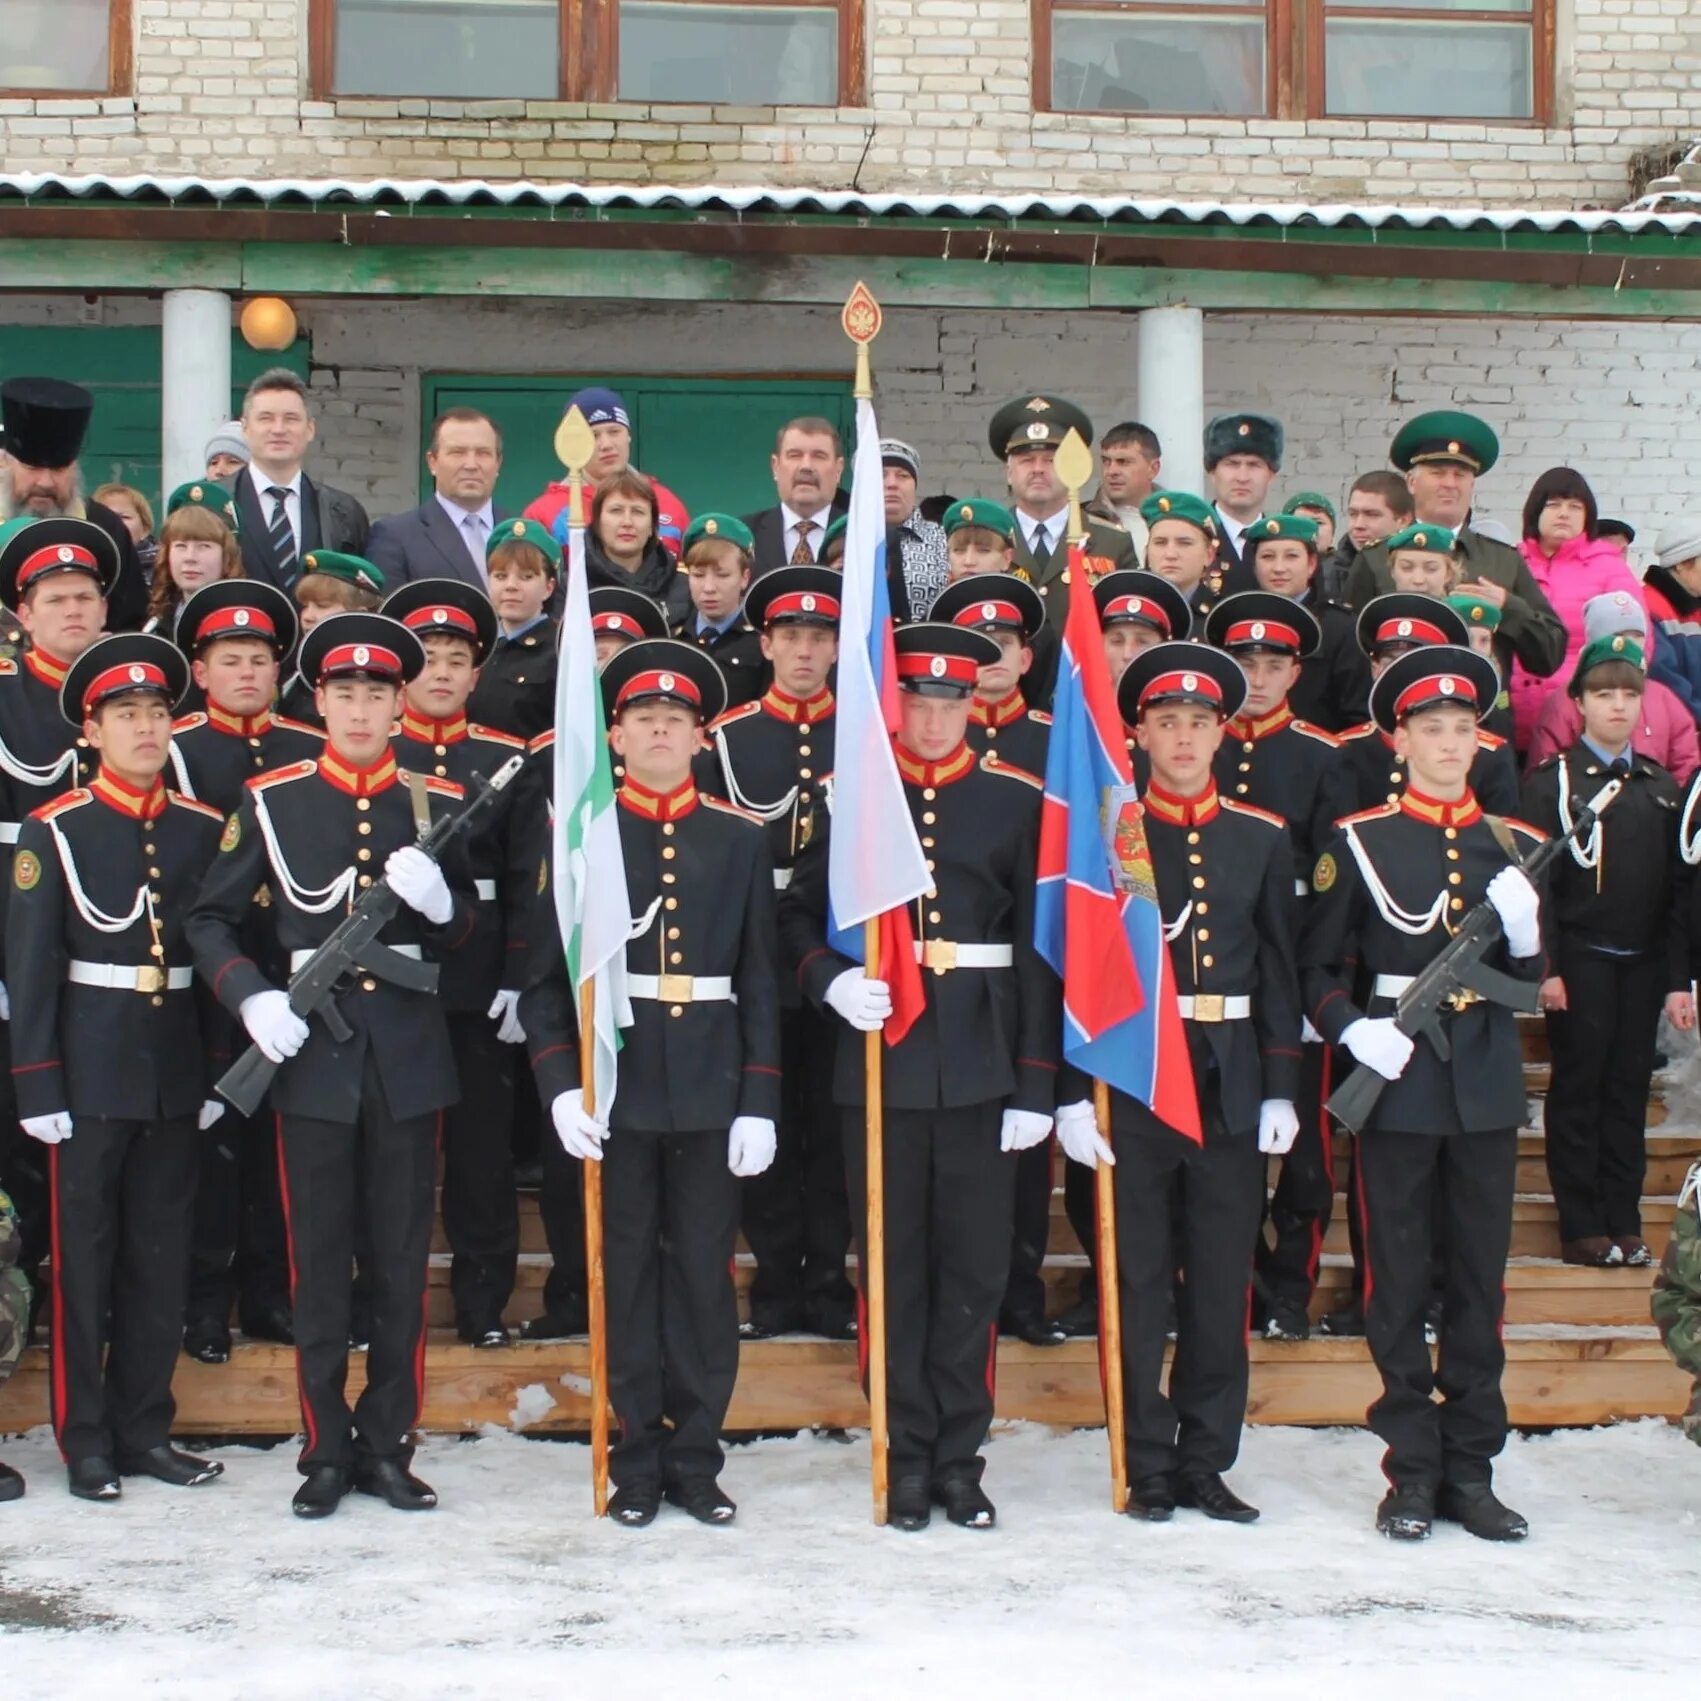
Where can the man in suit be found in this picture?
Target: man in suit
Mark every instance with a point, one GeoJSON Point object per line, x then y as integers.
{"type": "Point", "coordinates": [446, 535]}
{"type": "Point", "coordinates": [284, 513]}
{"type": "Point", "coordinates": [1243, 454]}
{"type": "Point", "coordinates": [807, 464]}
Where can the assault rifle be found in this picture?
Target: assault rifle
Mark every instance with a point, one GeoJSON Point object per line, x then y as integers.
{"type": "Point", "coordinates": [1459, 976]}
{"type": "Point", "coordinates": [353, 945]}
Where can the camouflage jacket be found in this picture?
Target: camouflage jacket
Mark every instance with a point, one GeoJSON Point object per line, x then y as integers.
{"type": "Point", "coordinates": [1677, 1295]}
{"type": "Point", "coordinates": [14, 1291]}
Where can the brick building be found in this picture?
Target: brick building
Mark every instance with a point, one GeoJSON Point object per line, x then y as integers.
{"type": "Point", "coordinates": [1341, 213]}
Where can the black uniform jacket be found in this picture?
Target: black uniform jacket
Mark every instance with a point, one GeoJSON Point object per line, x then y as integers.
{"type": "Point", "coordinates": [214, 755]}
{"type": "Point", "coordinates": [304, 831]}
{"type": "Point", "coordinates": [1424, 860]}
{"type": "Point", "coordinates": [502, 860]}
{"type": "Point", "coordinates": [1630, 889]}
{"type": "Point", "coordinates": [737, 652]}
{"type": "Point", "coordinates": [985, 1033]}
{"type": "Point", "coordinates": [701, 886]}
{"type": "Point", "coordinates": [1010, 732]}
{"type": "Point", "coordinates": [91, 857]}
{"type": "Point", "coordinates": [1333, 688]}
{"type": "Point", "coordinates": [1379, 776]}
{"type": "Point", "coordinates": [516, 683]}
{"type": "Point", "coordinates": [1290, 769]}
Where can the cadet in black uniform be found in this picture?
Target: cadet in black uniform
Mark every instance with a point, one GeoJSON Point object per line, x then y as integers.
{"type": "Point", "coordinates": [1618, 905]}
{"type": "Point", "coordinates": [1224, 875]}
{"type": "Point", "coordinates": [1136, 610]}
{"type": "Point", "coordinates": [699, 1084]}
{"type": "Point", "coordinates": [358, 1123]}
{"type": "Point", "coordinates": [972, 1082]}
{"type": "Point", "coordinates": [1444, 1135]}
{"type": "Point", "coordinates": [108, 1059]}
{"type": "Point", "coordinates": [620, 617]}
{"type": "Point", "coordinates": [516, 684]}
{"type": "Point", "coordinates": [1277, 762]}
{"type": "Point", "coordinates": [480, 984]}
{"type": "Point", "coordinates": [235, 633]}
{"type": "Point", "coordinates": [716, 557]}
{"type": "Point", "coordinates": [774, 758]}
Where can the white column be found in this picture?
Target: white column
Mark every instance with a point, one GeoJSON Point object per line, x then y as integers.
{"type": "Point", "coordinates": [194, 380]}
{"type": "Point", "coordinates": [1171, 391]}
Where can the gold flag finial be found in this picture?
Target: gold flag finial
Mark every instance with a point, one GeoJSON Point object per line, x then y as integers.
{"type": "Point", "coordinates": [1075, 466]}
{"type": "Point", "coordinates": [575, 445]}
{"type": "Point", "coordinates": [861, 320]}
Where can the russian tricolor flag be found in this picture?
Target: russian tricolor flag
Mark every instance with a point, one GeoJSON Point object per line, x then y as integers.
{"type": "Point", "coordinates": [1097, 920]}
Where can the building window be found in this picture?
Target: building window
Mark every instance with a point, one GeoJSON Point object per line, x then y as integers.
{"type": "Point", "coordinates": [1434, 59]}
{"type": "Point", "coordinates": [695, 52]}
{"type": "Point", "coordinates": [65, 47]}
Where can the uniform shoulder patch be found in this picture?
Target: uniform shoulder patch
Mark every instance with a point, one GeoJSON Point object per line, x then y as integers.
{"type": "Point", "coordinates": [231, 837]}
{"type": "Point", "coordinates": [187, 723]}
{"type": "Point", "coordinates": [991, 764]}
{"type": "Point", "coordinates": [298, 726]}
{"type": "Point", "coordinates": [490, 735]}
{"type": "Point", "coordinates": [277, 776]}
{"type": "Point", "coordinates": [730, 809]}
{"type": "Point", "coordinates": [443, 788]}
{"type": "Point", "coordinates": [1324, 874]}
{"type": "Point", "coordinates": [1040, 716]}
{"type": "Point", "coordinates": [1253, 810]}
{"type": "Point", "coordinates": [26, 871]}
{"type": "Point", "coordinates": [1321, 734]}
{"type": "Point", "coordinates": [74, 799]}
{"type": "Point", "coordinates": [8, 667]}
{"type": "Point", "coordinates": [1380, 813]}
{"type": "Point", "coordinates": [1534, 834]}
{"type": "Point", "coordinates": [195, 804]}
{"type": "Point", "coordinates": [742, 713]}
{"type": "Point", "coordinates": [1487, 740]}
{"type": "Point", "coordinates": [545, 740]}
{"type": "Point", "coordinates": [1363, 730]}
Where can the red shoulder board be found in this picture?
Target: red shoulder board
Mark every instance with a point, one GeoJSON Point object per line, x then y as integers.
{"type": "Point", "coordinates": [1487, 740]}
{"type": "Point", "coordinates": [1039, 715]}
{"type": "Point", "coordinates": [1534, 834]}
{"type": "Point", "coordinates": [1252, 809]}
{"type": "Point", "coordinates": [490, 735]}
{"type": "Point", "coordinates": [742, 713]}
{"type": "Point", "coordinates": [990, 763]}
{"type": "Point", "coordinates": [1379, 813]}
{"type": "Point", "coordinates": [276, 776]}
{"type": "Point", "coordinates": [545, 740]}
{"type": "Point", "coordinates": [200, 808]}
{"type": "Point", "coordinates": [443, 788]}
{"type": "Point", "coordinates": [187, 723]}
{"type": "Point", "coordinates": [1317, 732]}
{"type": "Point", "coordinates": [1363, 730]}
{"type": "Point", "coordinates": [730, 809]}
{"type": "Point", "coordinates": [70, 800]}
{"type": "Point", "coordinates": [297, 726]}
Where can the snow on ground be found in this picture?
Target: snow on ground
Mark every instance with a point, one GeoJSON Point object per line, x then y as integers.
{"type": "Point", "coordinates": [511, 1591]}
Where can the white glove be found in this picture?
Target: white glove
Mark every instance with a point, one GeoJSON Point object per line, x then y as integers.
{"type": "Point", "coordinates": [1278, 1126]}
{"type": "Point", "coordinates": [5, 1003]}
{"type": "Point", "coordinates": [1078, 1134]}
{"type": "Point", "coordinates": [1021, 1129]}
{"type": "Point", "coordinates": [211, 1111]}
{"type": "Point", "coordinates": [272, 1025]}
{"type": "Point", "coordinates": [505, 1011]}
{"type": "Point", "coordinates": [750, 1145]}
{"type": "Point", "coordinates": [1377, 1042]}
{"type": "Point", "coordinates": [1516, 903]}
{"type": "Point", "coordinates": [864, 1003]}
{"type": "Point", "coordinates": [419, 883]}
{"type": "Point", "coordinates": [49, 1129]}
{"type": "Point", "coordinates": [580, 1134]}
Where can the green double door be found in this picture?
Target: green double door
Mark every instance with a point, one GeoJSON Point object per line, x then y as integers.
{"type": "Point", "coordinates": [707, 439]}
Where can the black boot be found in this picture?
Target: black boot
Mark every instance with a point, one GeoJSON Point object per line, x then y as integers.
{"type": "Point", "coordinates": [11, 1484]}
{"type": "Point", "coordinates": [1034, 1327]}
{"type": "Point", "coordinates": [1347, 1321]}
{"type": "Point", "coordinates": [1081, 1320]}
{"type": "Point", "coordinates": [207, 1340]}
{"type": "Point", "coordinates": [94, 1479]}
{"type": "Point", "coordinates": [321, 1491]}
{"type": "Point", "coordinates": [1206, 1492]}
{"type": "Point", "coordinates": [170, 1465]}
{"type": "Point", "coordinates": [489, 1334]}
{"type": "Point", "coordinates": [269, 1323]}
{"type": "Point", "coordinates": [703, 1499]}
{"type": "Point", "coordinates": [965, 1503]}
{"type": "Point", "coordinates": [1152, 1499]}
{"type": "Point", "coordinates": [1406, 1514]}
{"type": "Point", "coordinates": [908, 1504]}
{"type": "Point", "coordinates": [1285, 1321]}
{"type": "Point", "coordinates": [634, 1505]}
{"type": "Point", "coordinates": [389, 1480]}
{"type": "Point", "coordinates": [569, 1318]}
{"type": "Point", "coordinates": [1479, 1510]}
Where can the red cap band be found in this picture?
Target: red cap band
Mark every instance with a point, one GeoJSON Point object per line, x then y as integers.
{"type": "Point", "coordinates": [1408, 632]}
{"type": "Point", "coordinates": [57, 558]}
{"type": "Point", "coordinates": [659, 682]}
{"type": "Point", "coordinates": [1142, 609]}
{"type": "Point", "coordinates": [1436, 688]}
{"type": "Point", "coordinates": [950, 670]}
{"type": "Point", "coordinates": [361, 658]}
{"type": "Point", "coordinates": [991, 613]}
{"type": "Point", "coordinates": [813, 603]}
{"type": "Point", "coordinates": [1182, 684]}
{"type": "Point", "coordinates": [1272, 633]}
{"type": "Point", "coordinates": [130, 676]}
{"type": "Point", "coordinates": [617, 623]}
{"type": "Point", "coordinates": [441, 614]}
{"type": "Point", "coordinates": [234, 622]}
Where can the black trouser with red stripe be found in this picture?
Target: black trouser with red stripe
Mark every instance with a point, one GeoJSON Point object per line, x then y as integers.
{"type": "Point", "coordinates": [239, 1251]}
{"type": "Point", "coordinates": [370, 1184]}
{"type": "Point", "coordinates": [1186, 1222]}
{"type": "Point", "coordinates": [949, 1192]}
{"type": "Point", "coordinates": [481, 1213]}
{"type": "Point", "coordinates": [121, 1195]}
{"type": "Point", "coordinates": [561, 1204]}
{"type": "Point", "coordinates": [1404, 1181]}
{"type": "Point", "coordinates": [670, 1223]}
{"type": "Point", "coordinates": [1024, 1291]}
{"type": "Point", "coordinates": [1303, 1200]}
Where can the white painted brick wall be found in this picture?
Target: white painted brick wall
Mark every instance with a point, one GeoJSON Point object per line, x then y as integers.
{"type": "Point", "coordinates": [221, 90]}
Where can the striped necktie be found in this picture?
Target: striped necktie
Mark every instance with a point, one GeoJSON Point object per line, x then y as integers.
{"type": "Point", "coordinates": [283, 539]}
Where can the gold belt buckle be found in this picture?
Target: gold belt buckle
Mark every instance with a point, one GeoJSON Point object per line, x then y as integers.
{"type": "Point", "coordinates": [150, 979]}
{"type": "Point", "coordinates": [676, 989]}
{"type": "Point", "coordinates": [1462, 999]}
{"type": "Point", "coordinates": [939, 955]}
{"type": "Point", "coordinates": [1207, 1006]}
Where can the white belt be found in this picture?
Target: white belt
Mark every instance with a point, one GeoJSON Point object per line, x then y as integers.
{"type": "Point", "coordinates": [486, 890]}
{"type": "Point", "coordinates": [782, 879]}
{"type": "Point", "coordinates": [1301, 888]}
{"type": "Point", "coordinates": [297, 958]}
{"type": "Point", "coordinates": [682, 989]}
{"type": "Point", "coordinates": [1392, 986]}
{"type": "Point", "coordinates": [942, 954]}
{"type": "Point", "coordinates": [125, 977]}
{"type": "Point", "coordinates": [1215, 1007]}
{"type": "Point", "coordinates": [8, 832]}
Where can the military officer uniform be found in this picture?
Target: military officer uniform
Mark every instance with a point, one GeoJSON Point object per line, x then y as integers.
{"type": "Point", "coordinates": [358, 1120]}
{"type": "Point", "coordinates": [701, 1057]}
{"type": "Point", "coordinates": [774, 759]}
{"type": "Point", "coordinates": [109, 1067]}
{"type": "Point", "coordinates": [1240, 434]}
{"type": "Point", "coordinates": [240, 1251]}
{"type": "Point", "coordinates": [970, 1080]}
{"type": "Point", "coordinates": [1443, 1137]}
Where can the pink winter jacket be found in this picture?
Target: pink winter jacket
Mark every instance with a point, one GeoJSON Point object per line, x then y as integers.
{"type": "Point", "coordinates": [1582, 568]}
{"type": "Point", "coordinates": [1665, 732]}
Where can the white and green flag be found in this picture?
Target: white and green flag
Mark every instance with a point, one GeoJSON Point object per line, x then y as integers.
{"type": "Point", "coordinates": [590, 872]}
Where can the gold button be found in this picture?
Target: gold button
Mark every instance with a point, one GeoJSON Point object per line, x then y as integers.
{"type": "Point", "coordinates": [1199, 882]}
{"type": "Point", "coordinates": [441, 771]}
{"type": "Point", "coordinates": [803, 797]}
{"type": "Point", "coordinates": [928, 817]}
{"type": "Point", "coordinates": [363, 828]}
{"type": "Point", "coordinates": [363, 804]}
{"type": "Point", "coordinates": [156, 950]}
{"type": "Point", "coordinates": [1452, 855]}
{"type": "Point", "coordinates": [802, 729]}
{"type": "Point", "coordinates": [1201, 909]}
{"type": "Point", "coordinates": [667, 829]}
{"type": "Point", "coordinates": [669, 852]}
{"type": "Point", "coordinates": [520, 680]}
{"type": "Point", "coordinates": [439, 750]}
{"type": "Point", "coordinates": [1455, 878]}
{"type": "Point", "coordinates": [805, 773]}
{"type": "Point", "coordinates": [1244, 768]}
{"type": "Point", "coordinates": [1457, 903]}
{"type": "Point", "coordinates": [156, 1001]}
{"type": "Point", "coordinates": [1193, 838]}
{"type": "Point", "coordinates": [934, 917]}
{"type": "Point", "coordinates": [364, 853]}
{"type": "Point", "coordinates": [1393, 797]}
{"type": "Point", "coordinates": [148, 850]}
{"type": "Point", "coordinates": [1194, 857]}
{"type": "Point", "coordinates": [153, 897]}
{"type": "Point", "coordinates": [803, 750]}
{"type": "Point", "coordinates": [369, 985]}
{"type": "Point", "coordinates": [1202, 933]}
{"type": "Point", "coordinates": [670, 903]}
{"type": "Point", "coordinates": [673, 933]}
{"type": "Point", "coordinates": [928, 844]}
{"type": "Point", "coordinates": [676, 1010]}
{"type": "Point", "coordinates": [153, 874]}
{"type": "Point", "coordinates": [1450, 832]}
{"type": "Point", "coordinates": [676, 956]}
{"type": "Point", "coordinates": [1247, 747]}
{"type": "Point", "coordinates": [366, 880]}
{"type": "Point", "coordinates": [933, 891]}
{"type": "Point", "coordinates": [930, 865]}
{"type": "Point", "coordinates": [255, 743]}
{"type": "Point", "coordinates": [82, 744]}
{"type": "Point", "coordinates": [1394, 778]}
{"type": "Point", "coordinates": [929, 794]}
{"type": "Point", "coordinates": [1208, 961]}
{"type": "Point", "coordinates": [1241, 789]}
{"type": "Point", "coordinates": [991, 732]}
{"type": "Point", "coordinates": [670, 878]}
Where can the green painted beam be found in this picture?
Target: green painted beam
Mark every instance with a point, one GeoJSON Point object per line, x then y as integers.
{"type": "Point", "coordinates": [112, 266]}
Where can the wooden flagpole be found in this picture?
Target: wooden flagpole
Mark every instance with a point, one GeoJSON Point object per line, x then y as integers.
{"type": "Point", "coordinates": [1075, 467]}
{"type": "Point", "coordinates": [861, 321]}
{"type": "Point", "coordinates": [575, 445]}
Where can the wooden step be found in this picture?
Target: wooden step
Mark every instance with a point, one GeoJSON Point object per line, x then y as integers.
{"type": "Point", "coordinates": [1562, 1378]}
{"type": "Point", "coordinates": [1535, 1226]}
{"type": "Point", "coordinates": [1669, 1158]}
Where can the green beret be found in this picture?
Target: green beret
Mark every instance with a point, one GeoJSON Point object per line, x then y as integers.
{"type": "Point", "coordinates": [1036, 422]}
{"type": "Point", "coordinates": [351, 569]}
{"type": "Point", "coordinates": [836, 529]}
{"type": "Point", "coordinates": [203, 493]}
{"type": "Point", "coordinates": [1312, 499]}
{"type": "Point", "coordinates": [1475, 611]}
{"type": "Point", "coordinates": [1438, 540]}
{"type": "Point", "coordinates": [1179, 505]}
{"type": "Point", "coordinates": [1445, 437]}
{"type": "Point", "coordinates": [978, 511]}
{"type": "Point", "coordinates": [1244, 434]}
{"type": "Point", "coordinates": [539, 536]}
{"type": "Point", "coordinates": [1619, 647]}
{"type": "Point", "coordinates": [723, 528]}
{"type": "Point", "coordinates": [1294, 527]}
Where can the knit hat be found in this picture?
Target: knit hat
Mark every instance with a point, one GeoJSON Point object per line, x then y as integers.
{"type": "Point", "coordinates": [896, 453]}
{"type": "Point", "coordinates": [600, 406]}
{"type": "Point", "coordinates": [1613, 612]}
{"type": "Point", "coordinates": [1680, 541]}
{"type": "Point", "coordinates": [227, 440]}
